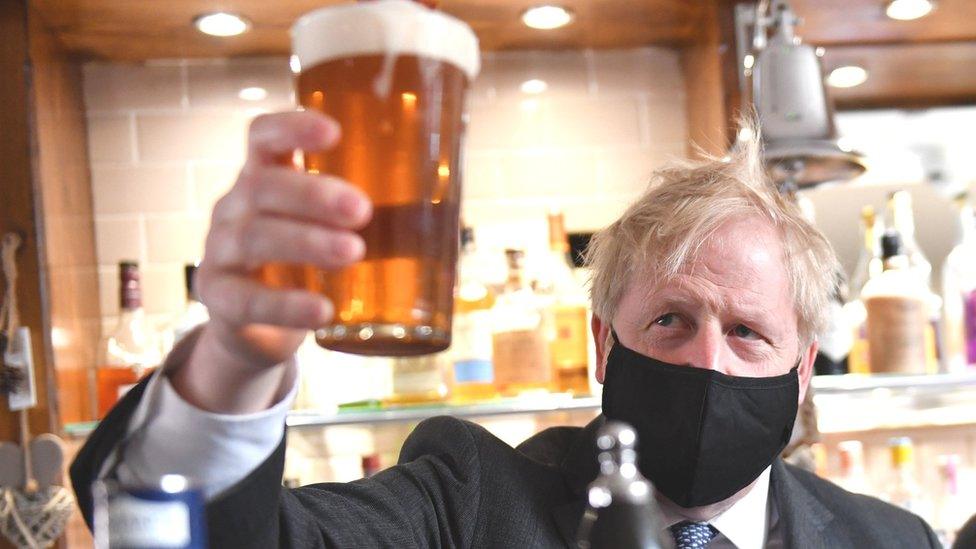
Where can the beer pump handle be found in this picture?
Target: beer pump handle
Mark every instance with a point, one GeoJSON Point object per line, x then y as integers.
{"type": "Point", "coordinates": [621, 511]}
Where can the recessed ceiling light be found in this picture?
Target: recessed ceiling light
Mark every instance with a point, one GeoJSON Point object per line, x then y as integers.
{"type": "Point", "coordinates": [253, 93]}
{"type": "Point", "coordinates": [534, 86]}
{"type": "Point", "coordinates": [294, 64]}
{"type": "Point", "coordinates": [906, 10]}
{"type": "Point", "coordinates": [221, 24]}
{"type": "Point", "coordinates": [547, 17]}
{"type": "Point", "coordinates": [847, 76]}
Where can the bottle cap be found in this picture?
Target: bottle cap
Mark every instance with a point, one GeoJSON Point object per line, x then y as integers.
{"type": "Point", "coordinates": [891, 245]}
{"type": "Point", "coordinates": [189, 270]}
{"type": "Point", "coordinates": [902, 451]}
{"type": "Point", "coordinates": [467, 236]}
{"type": "Point", "coordinates": [130, 293]}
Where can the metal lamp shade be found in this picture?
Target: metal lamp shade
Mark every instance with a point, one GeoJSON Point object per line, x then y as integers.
{"type": "Point", "coordinates": [796, 117]}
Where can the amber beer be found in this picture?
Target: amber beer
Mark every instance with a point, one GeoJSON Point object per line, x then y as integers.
{"type": "Point", "coordinates": [393, 73]}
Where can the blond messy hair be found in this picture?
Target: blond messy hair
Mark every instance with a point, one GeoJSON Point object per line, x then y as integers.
{"type": "Point", "coordinates": [683, 205]}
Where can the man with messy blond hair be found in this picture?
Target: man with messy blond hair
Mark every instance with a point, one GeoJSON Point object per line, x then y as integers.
{"type": "Point", "coordinates": [708, 294]}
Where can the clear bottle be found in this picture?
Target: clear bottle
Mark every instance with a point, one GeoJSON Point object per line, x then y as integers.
{"type": "Point", "coordinates": [520, 347]}
{"type": "Point", "coordinates": [904, 489]}
{"type": "Point", "coordinates": [473, 375]}
{"type": "Point", "coordinates": [951, 511]}
{"type": "Point", "coordinates": [194, 312]}
{"type": "Point", "coordinates": [897, 317]}
{"type": "Point", "coordinates": [900, 217]}
{"type": "Point", "coordinates": [132, 349]}
{"type": "Point", "coordinates": [868, 266]}
{"type": "Point", "coordinates": [959, 291]}
{"type": "Point", "coordinates": [568, 313]}
{"type": "Point", "coordinates": [852, 477]}
{"type": "Point", "coordinates": [420, 379]}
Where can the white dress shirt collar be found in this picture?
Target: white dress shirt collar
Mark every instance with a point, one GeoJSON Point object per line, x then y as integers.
{"type": "Point", "coordinates": [745, 524]}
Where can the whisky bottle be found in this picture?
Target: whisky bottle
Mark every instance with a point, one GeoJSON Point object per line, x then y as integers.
{"type": "Point", "coordinates": [132, 349]}
{"type": "Point", "coordinates": [901, 218]}
{"type": "Point", "coordinates": [959, 291]}
{"type": "Point", "coordinates": [897, 316]}
{"type": "Point", "coordinates": [868, 266]}
{"type": "Point", "coordinates": [473, 375]}
{"type": "Point", "coordinates": [567, 304]}
{"type": "Point", "coordinates": [520, 347]}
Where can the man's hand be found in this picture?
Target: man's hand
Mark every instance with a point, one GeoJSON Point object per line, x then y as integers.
{"type": "Point", "coordinates": [272, 214]}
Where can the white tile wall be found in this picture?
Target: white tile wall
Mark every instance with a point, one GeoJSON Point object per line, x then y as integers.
{"type": "Point", "coordinates": [167, 138]}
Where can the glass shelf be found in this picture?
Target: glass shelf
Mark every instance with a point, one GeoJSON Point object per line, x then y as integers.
{"type": "Point", "coordinates": [844, 403]}
{"type": "Point", "coordinates": [535, 404]}
{"type": "Point", "coordinates": [852, 403]}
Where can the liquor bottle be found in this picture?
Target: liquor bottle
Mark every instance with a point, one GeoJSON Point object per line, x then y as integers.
{"type": "Point", "coordinates": [568, 314]}
{"type": "Point", "coordinates": [472, 369]}
{"type": "Point", "coordinates": [168, 513]}
{"type": "Point", "coordinates": [132, 349]}
{"type": "Point", "coordinates": [520, 348]}
{"type": "Point", "coordinates": [904, 489]}
{"type": "Point", "coordinates": [371, 465]}
{"type": "Point", "coordinates": [901, 218]}
{"type": "Point", "coordinates": [897, 317]}
{"type": "Point", "coordinates": [837, 340]}
{"type": "Point", "coordinates": [194, 313]}
{"type": "Point", "coordinates": [852, 477]}
{"type": "Point", "coordinates": [951, 511]}
{"type": "Point", "coordinates": [959, 289]}
{"type": "Point", "coordinates": [868, 266]}
{"type": "Point", "coordinates": [419, 379]}
{"type": "Point", "coordinates": [622, 512]}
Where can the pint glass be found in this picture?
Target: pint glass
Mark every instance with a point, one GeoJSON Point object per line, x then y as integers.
{"type": "Point", "coordinates": [394, 74]}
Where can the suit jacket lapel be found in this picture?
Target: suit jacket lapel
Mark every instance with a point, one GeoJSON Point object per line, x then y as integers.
{"type": "Point", "coordinates": [804, 518]}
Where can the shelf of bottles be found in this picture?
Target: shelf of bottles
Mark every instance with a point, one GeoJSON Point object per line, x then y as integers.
{"type": "Point", "coordinates": [844, 404]}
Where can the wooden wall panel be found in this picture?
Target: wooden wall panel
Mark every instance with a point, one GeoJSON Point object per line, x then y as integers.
{"type": "Point", "coordinates": [19, 207]}
{"type": "Point", "coordinates": [62, 182]}
{"type": "Point", "coordinates": [711, 90]}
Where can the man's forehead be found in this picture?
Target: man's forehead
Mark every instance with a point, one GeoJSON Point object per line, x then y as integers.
{"type": "Point", "coordinates": [745, 274]}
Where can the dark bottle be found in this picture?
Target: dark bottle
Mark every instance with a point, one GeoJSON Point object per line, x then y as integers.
{"type": "Point", "coordinates": [622, 512]}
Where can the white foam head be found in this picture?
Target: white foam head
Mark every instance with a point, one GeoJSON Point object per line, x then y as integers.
{"type": "Point", "coordinates": [384, 27]}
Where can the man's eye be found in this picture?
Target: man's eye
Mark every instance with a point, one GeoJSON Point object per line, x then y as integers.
{"type": "Point", "coordinates": [744, 332]}
{"type": "Point", "coordinates": [666, 320]}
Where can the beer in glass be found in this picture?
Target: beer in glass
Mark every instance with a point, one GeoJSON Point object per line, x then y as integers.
{"type": "Point", "coordinates": [393, 73]}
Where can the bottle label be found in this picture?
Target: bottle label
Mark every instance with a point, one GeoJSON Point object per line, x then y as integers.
{"type": "Point", "coordinates": [417, 375]}
{"type": "Point", "coordinates": [473, 371]}
{"type": "Point", "coordinates": [897, 335]}
{"type": "Point", "coordinates": [521, 356]}
{"type": "Point", "coordinates": [137, 522]}
{"type": "Point", "coordinates": [569, 346]}
{"type": "Point", "coordinates": [969, 323]}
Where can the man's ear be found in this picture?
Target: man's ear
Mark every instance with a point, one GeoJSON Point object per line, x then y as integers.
{"type": "Point", "coordinates": [600, 332]}
{"type": "Point", "coordinates": [805, 370]}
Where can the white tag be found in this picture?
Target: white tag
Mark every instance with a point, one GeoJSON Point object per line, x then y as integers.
{"type": "Point", "coordinates": [137, 522]}
{"type": "Point", "coordinates": [19, 356]}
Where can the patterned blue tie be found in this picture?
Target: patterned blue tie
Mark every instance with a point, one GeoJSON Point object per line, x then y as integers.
{"type": "Point", "coordinates": [692, 535]}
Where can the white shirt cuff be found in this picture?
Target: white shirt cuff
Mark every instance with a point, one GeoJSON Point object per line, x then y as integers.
{"type": "Point", "coordinates": [168, 435]}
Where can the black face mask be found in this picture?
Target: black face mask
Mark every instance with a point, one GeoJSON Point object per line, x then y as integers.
{"type": "Point", "coordinates": [702, 435]}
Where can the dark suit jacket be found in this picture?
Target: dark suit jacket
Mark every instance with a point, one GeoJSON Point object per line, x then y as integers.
{"type": "Point", "coordinates": [457, 485]}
